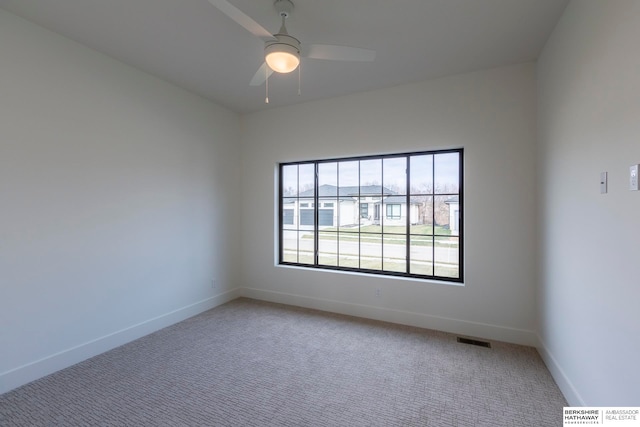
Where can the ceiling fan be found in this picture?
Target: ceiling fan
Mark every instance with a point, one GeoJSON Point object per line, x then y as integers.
{"type": "Point", "coordinates": [282, 51]}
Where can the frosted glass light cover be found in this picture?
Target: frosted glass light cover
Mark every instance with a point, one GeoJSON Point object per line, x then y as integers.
{"type": "Point", "coordinates": [282, 62]}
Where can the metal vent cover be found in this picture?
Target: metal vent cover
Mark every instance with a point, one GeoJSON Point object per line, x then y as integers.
{"type": "Point", "coordinates": [471, 341]}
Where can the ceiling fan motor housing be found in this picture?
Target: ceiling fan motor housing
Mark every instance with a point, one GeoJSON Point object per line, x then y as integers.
{"type": "Point", "coordinates": [283, 41]}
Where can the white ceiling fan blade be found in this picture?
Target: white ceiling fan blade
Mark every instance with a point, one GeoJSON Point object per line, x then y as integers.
{"type": "Point", "coordinates": [243, 19]}
{"type": "Point", "coordinates": [261, 75]}
{"type": "Point", "coordinates": [338, 53]}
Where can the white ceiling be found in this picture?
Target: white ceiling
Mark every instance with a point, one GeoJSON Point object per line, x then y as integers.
{"type": "Point", "coordinates": [193, 45]}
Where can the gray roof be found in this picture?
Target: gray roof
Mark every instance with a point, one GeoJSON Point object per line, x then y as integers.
{"type": "Point", "coordinates": [453, 199]}
{"type": "Point", "coordinates": [396, 200]}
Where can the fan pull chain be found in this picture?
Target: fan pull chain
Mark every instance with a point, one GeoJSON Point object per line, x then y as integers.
{"type": "Point", "coordinates": [266, 73]}
{"type": "Point", "coordinates": [299, 72]}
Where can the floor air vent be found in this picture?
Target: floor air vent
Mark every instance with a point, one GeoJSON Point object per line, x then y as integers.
{"type": "Point", "coordinates": [474, 342]}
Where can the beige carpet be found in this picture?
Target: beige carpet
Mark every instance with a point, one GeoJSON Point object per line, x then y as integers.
{"type": "Point", "coordinates": [251, 363]}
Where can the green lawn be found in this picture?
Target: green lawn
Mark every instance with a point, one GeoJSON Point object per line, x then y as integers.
{"type": "Point", "coordinates": [421, 235]}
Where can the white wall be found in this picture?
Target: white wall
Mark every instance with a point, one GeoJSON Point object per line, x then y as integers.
{"type": "Point", "coordinates": [489, 113]}
{"type": "Point", "coordinates": [118, 197]}
{"type": "Point", "coordinates": [589, 122]}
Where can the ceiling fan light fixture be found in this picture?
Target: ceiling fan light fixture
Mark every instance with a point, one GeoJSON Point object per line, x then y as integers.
{"type": "Point", "coordinates": [282, 62]}
{"type": "Point", "coordinates": [283, 55]}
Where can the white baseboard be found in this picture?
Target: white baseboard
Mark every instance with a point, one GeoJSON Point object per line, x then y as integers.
{"type": "Point", "coordinates": [565, 385]}
{"type": "Point", "coordinates": [63, 359]}
{"type": "Point", "coordinates": [455, 326]}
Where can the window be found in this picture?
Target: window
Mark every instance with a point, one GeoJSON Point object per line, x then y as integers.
{"type": "Point", "coordinates": [364, 210]}
{"type": "Point", "coordinates": [393, 211]}
{"type": "Point", "coordinates": [398, 214]}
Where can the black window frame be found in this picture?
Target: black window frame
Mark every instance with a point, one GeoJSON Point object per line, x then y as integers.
{"type": "Point", "coordinates": [407, 234]}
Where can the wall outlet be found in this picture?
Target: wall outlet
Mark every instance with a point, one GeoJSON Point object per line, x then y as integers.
{"type": "Point", "coordinates": [633, 178]}
{"type": "Point", "coordinates": [214, 283]}
{"type": "Point", "coordinates": [378, 292]}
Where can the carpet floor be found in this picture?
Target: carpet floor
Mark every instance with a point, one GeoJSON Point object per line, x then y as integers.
{"type": "Point", "coordinates": [253, 363]}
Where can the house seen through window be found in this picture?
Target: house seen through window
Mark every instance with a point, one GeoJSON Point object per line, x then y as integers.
{"type": "Point", "coordinates": [395, 214]}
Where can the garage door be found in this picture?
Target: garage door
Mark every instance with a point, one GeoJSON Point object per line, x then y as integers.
{"type": "Point", "coordinates": [325, 217]}
{"type": "Point", "coordinates": [287, 216]}
{"type": "Point", "coordinates": [306, 216]}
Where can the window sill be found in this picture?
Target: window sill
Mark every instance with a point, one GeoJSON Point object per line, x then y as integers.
{"type": "Point", "coordinates": [372, 275]}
